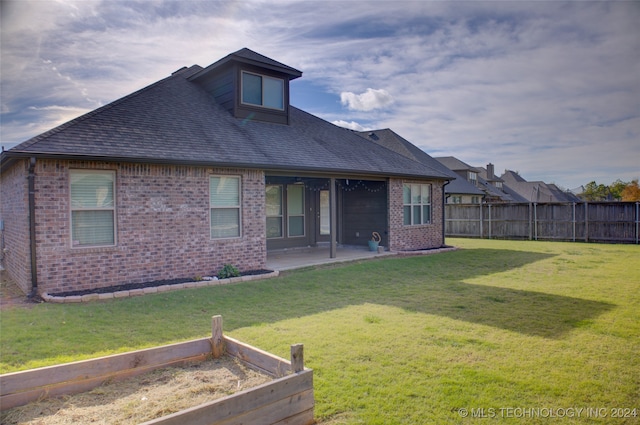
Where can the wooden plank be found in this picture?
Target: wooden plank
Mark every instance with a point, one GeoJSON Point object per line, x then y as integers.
{"type": "Point", "coordinates": [9, 401]}
{"type": "Point", "coordinates": [230, 407]}
{"type": "Point", "coordinates": [302, 418]}
{"type": "Point", "coordinates": [217, 339]}
{"type": "Point", "coordinates": [262, 360]}
{"type": "Point", "coordinates": [102, 366]}
{"type": "Point", "coordinates": [281, 410]}
{"type": "Point", "coordinates": [297, 358]}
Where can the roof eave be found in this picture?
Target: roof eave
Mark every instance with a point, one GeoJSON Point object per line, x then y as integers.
{"type": "Point", "coordinates": [8, 157]}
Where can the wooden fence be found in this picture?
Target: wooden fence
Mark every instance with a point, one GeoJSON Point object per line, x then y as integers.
{"type": "Point", "coordinates": [612, 222]}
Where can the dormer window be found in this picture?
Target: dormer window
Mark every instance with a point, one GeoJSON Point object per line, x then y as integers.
{"type": "Point", "coordinates": [473, 177]}
{"type": "Point", "coordinates": [260, 90]}
{"type": "Point", "coordinates": [250, 86]}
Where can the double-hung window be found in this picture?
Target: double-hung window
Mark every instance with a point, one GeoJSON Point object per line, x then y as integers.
{"type": "Point", "coordinates": [295, 210]}
{"type": "Point", "coordinates": [260, 90]}
{"type": "Point", "coordinates": [224, 201]}
{"type": "Point", "coordinates": [417, 204]}
{"type": "Point", "coordinates": [473, 177]}
{"type": "Point", "coordinates": [92, 208]}
{"type": "Point", "coordinates": [285, 211]}
{"type": "Point", "coordinates": [274, 211]}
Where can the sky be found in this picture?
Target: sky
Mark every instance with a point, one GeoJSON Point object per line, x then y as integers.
{"type": "Point", "coordinates": [548, 89]}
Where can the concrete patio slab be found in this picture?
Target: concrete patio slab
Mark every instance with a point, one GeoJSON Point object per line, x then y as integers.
{"type": "Point", "coordinates": [297, 258]}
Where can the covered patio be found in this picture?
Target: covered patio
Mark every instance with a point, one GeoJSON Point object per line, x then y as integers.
{"type": "Point", "coordinates": [296, 258]}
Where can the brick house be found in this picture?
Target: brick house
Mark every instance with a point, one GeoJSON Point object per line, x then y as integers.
{"type": "Point", "coordinates": [206, 167]}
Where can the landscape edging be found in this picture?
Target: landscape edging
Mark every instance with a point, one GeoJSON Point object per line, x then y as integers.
{"type": "Point", "coordinates": [155, 289]}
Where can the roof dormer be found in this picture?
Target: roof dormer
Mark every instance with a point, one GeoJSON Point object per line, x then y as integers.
{"type": "Point", "coordinates": [250, 86]}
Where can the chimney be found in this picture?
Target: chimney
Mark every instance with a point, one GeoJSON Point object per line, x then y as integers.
{"type": "Point", "coordinates": [490, 175]}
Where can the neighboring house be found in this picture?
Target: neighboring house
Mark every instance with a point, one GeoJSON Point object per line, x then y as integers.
{"type": "Point", "coordinates": [469, 188]}
{"type": "Point", "coordinates": [494, 187]}
{"type": "Point", "coordinates": [537, 191]}
{"type": "Point", "coordinates": [206, 167]}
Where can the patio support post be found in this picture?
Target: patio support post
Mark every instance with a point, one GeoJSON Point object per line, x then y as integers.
{"type": "Point", "coordinates": [333, 218]}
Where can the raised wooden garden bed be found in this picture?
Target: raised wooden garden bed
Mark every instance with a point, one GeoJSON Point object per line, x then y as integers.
{"type": "Point", "coordinates": [287, 398]}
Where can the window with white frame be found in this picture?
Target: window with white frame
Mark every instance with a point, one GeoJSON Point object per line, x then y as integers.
{"type": "Point", "coordinates": [274, 211]}
{"type": "Point", "coordinates": [417, 204]}
{"type": "Point", "coordinates": [260, 90]}
{"type": "Point", "coordinates": [224, 201]}
{"type": "Point", "coordinates": [92, 208]}
{"type": "Point", "coordinates": [473, 177]}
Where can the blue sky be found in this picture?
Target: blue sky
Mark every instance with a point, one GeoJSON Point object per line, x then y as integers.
{"type": "Point", "coordinates": [548, 89]}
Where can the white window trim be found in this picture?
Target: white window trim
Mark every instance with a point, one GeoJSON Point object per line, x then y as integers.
{"type": "Point", "coordinates": [263, 77]}
{"type": "Point", "coordinates": [113, 209]}
{"type": "Point", "coordinates": [422, 204]}
{"type": "Point", "coordinates": [238, 207]}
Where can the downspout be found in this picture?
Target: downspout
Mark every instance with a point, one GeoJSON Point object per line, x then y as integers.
{"type": "Point", "coordinates": [32, 227]}
{"type": "Point", "coordinates": [444, 202]}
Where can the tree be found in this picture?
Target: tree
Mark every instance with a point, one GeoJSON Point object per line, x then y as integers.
{"type": "Point", "coordinates": [631, 192]}
{"type": "Point", "coordinates": [616, 188]}
{"type": "Point", "coordinates": [595, 192]}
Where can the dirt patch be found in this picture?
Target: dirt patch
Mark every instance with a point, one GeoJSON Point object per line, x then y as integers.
{"type": "Point", "coordinates": [11, 295]}
{"type": "Point", "coordinates": [142, 398]}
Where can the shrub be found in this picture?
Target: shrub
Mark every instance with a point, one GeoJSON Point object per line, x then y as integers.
{"type": "Point", "coordinates": [228, 271]}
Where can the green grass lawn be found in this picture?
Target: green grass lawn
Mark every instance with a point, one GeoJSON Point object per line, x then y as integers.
{"type": "Point", "coordinates": [519, 329]}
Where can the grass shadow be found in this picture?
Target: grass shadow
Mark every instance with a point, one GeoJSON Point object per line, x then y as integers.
{"type": "Point", "coordinates": [527, 312]}
{"type": "Point", "coordinates": [436, 285]}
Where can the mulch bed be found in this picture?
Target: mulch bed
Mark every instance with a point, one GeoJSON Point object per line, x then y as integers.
{"type": "Point", "coordinates": [130, 286]}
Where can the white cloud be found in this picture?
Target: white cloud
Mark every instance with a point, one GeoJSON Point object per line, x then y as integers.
{"type": "Point", "coordinates": [352, 125]}
{"type": "Point", "coordinates": [546, 88]}
{"type": "Point", "coordinates": [367, 101]}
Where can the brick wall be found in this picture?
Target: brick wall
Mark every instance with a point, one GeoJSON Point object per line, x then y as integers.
{"type": "Point", "coordinates": [162, 222]}
{"type": "Point", "coordinates": [407, 238]}
{"type": "Point", "coordinates": [14, 211]}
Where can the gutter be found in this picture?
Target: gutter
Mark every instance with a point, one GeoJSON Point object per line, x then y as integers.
{"type": "Point", "coordinates": [444, 201]}
{"type": "Point", "coordinates": [32, 227]}
{"type": "Point", "coordinates": [8, 156]}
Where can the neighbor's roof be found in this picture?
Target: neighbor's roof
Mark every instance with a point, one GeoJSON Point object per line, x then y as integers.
{"type": "Point", "coordinates": [454, 163]}
{"type": "Point", "coordinates": [393, 141]}
{"type": "Point", "coordinates": [176, 121]}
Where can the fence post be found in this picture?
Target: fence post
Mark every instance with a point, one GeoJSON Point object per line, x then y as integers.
{"type": "Point", "coordinates": [217, 339]}
{"type": "Point", "coordinates": [489, 205]}
{"type": "Point", "coordinates": [586, 221]}
{"type": "Point", "coordinates": [637, 221]}
{"type": "Point", "coordinates": [573, 221]}
{"type": "Point", "coordinates": [297, 358]}
{"type": "Point", "coordinates": [535, 220]}
{"type": "Point", "coordinates": [481, 222]}
{"type": "Point", "coordinates": [530, 221]}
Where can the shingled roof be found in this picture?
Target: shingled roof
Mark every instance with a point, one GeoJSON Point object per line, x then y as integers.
{"type": "Point", "coordinates": [393, 141]}
{"type": "Point", "coordinates": [176, 121]}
